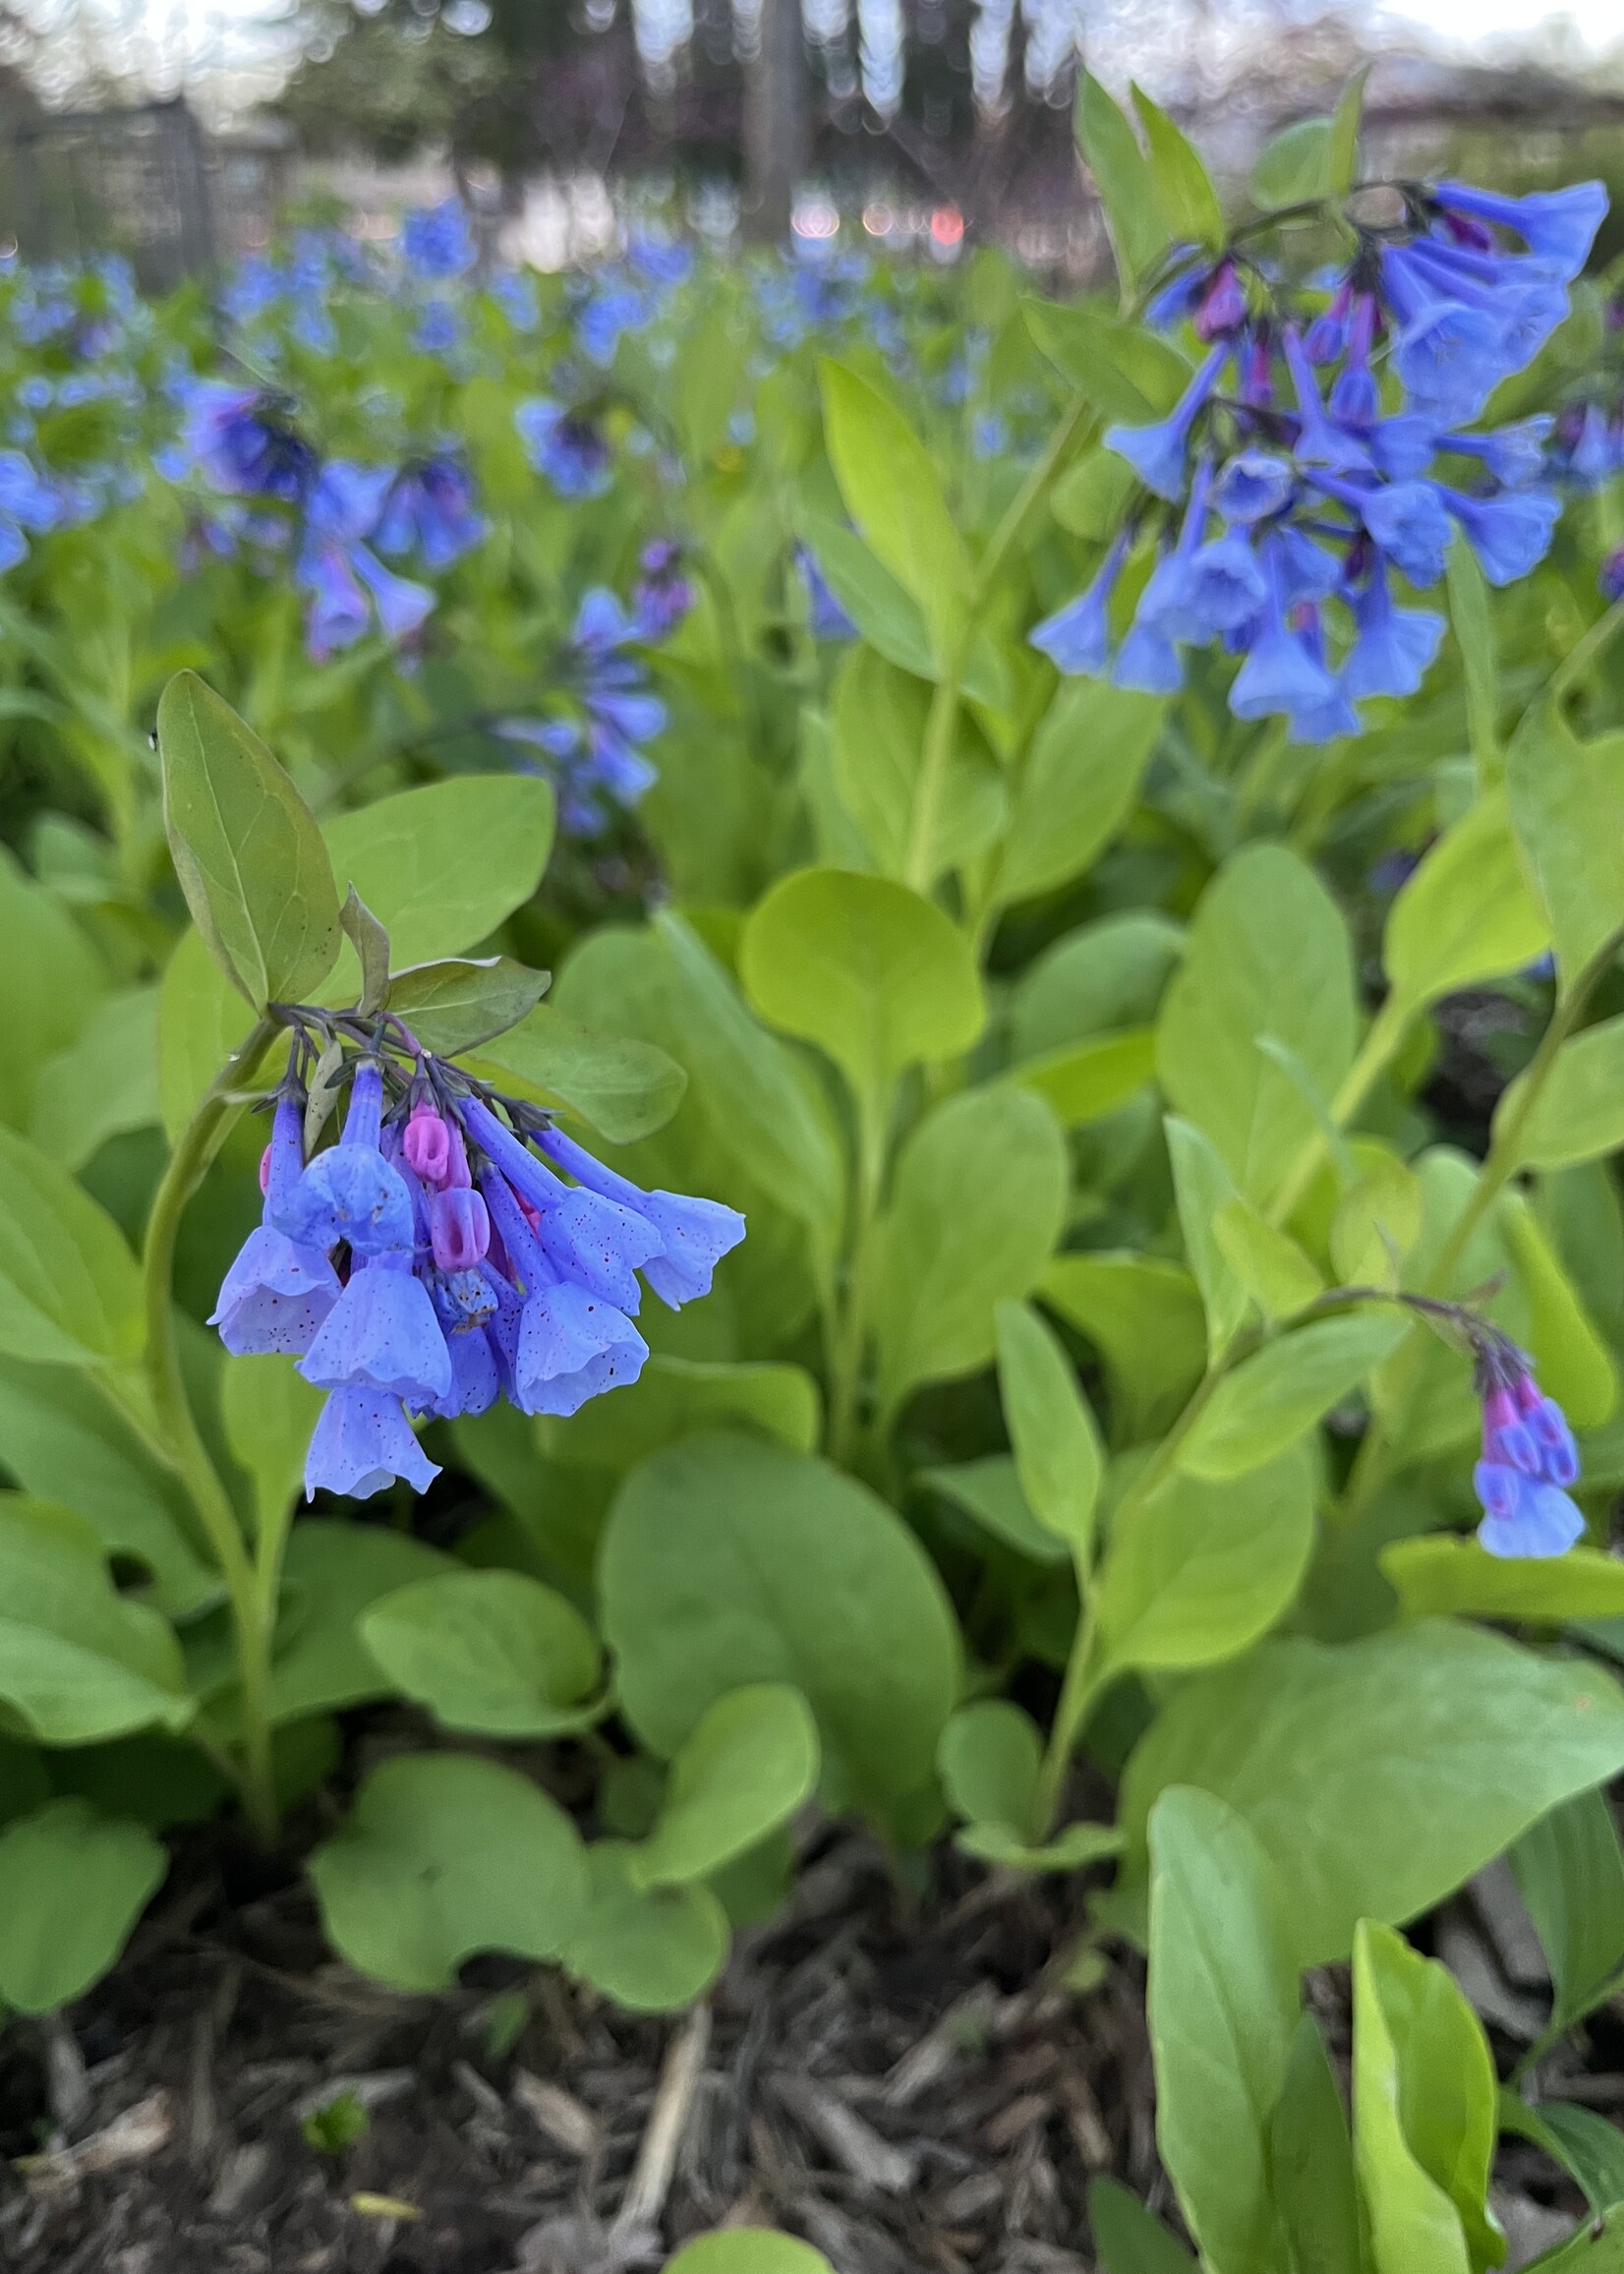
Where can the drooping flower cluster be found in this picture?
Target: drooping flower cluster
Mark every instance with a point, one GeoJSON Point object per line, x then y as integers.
{"type": "Point", "coordinates": [435, 1258]}
{"type": "Point", "coordinates": [336, 517]}
{"type": "Point", "coordinates": [1528, 1458]}
{"type": "Point", "coordinates": [592, 748]}
{"type": "Point", "coordinates": [1284, 515]}
{"type": "Point", "coordinates": [567, 449]}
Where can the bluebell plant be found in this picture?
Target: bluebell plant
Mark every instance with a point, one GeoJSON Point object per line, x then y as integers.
{"type": "Point", "coordinates": [1528, 1457]}
{"type": "Point", "coordinates": [453, 1247]}
{"type": "Point", "coordinates": [591, 746]}
{"type": "Point", "coordinates": [1323, 456]}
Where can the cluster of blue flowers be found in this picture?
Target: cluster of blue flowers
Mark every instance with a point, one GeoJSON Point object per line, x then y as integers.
{"type": "Point", "coordinates": [335, 518]}
{"type": "Point", "coordinates": [591, 749]}
{"type": "Point", "coordinates": [1284, 516]}
{"type": "Point", "coordinates": [1528, 1458]}
{"type": "Point", "coordinates": [435, 1259]}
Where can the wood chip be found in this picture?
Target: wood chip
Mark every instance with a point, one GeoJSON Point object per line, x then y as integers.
{"type": "Point", "coordinates": [141, 2132]}
{"type": "Point", "coordinates": [856, 2146]}
{"type": "Point", "coordinates": [372, 2088]}
{"type": "Point", "coordinates": [556, 2113]}
{"type": "Point", "coordinates": [960, 2030]}
{"type": "Point", "coordinates": [651, 2177]}
{"type": "Point", "coordinates": [1019, 2117]}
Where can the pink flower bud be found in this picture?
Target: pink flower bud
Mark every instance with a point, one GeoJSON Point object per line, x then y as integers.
{"type": "Point", "coordinates": [428, 1144]}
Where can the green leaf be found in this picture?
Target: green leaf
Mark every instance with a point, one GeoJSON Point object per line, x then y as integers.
{"type": "Point", "coordinates": [1425, 2100]}
{"type": "Point", "coordinates": [892, 493]}
{"type": "Point", "coordinates": [1223, 2009]}
{"type": "Point", "coordinates": [1190, 211]}
{"type": "Point", "coordinates": [1473, 625]}
{"type": "Point", "coordinates": [441, 866]}
{"type": "Point", "coordinates": [1598, 2248]}
{"type": "Point", "coordinates": [1077, 787]}
{"type": "Point", "coordinates": [63, 1441]}
{"type": "Point", "coordinates": [1203, 1189]}
{"type": "Point", "coordinates": [1083, 1081]}
{"type": "Point", "coordinates": [1268, 1263]}
{"type": "Point", "coordinates": [1124, 177]}
{"type": "Point", "coordinates": [1312, 2162]}
{"type": "Point", "coordinates": [1100, 978]}
{"type": "Point", "coordinates": [989, 1490]}
{"type": "Point", "coordinates": [444, 1855]}
{"type": "Point", "coordinates": [893, 624]}
{"type": "Point", "coordinates": [493, 1651]}
{"type": "Point", "coordinates": [104, 1085]}
{"type": "Point", "coordinates": [677, 1397]}
{"type": "Point", "coordinates": [1467, 914]}
{"type": "Point", "coordinates": [1586, 2146]}
{"type": "Point", "coordinates": [1571, 1871]}
{"type": "Point", "coordinates": [269, 1411]}
{"type": "Point", "coordinates": [623, 1088]}
{"type": "Point", "coordinates": [1071, 1849]}
{"type": "Point", "coordinates": [1441, 1573]}
{"type": "Point", "coordinates": [69, 1291]}
{"type": "Point", "coordinates": [245, 848]}
{"type": "Point", "coordinates": [71, 1886]}
{"type": "Point", "coordinates": [727, 1561]}
{"type": "Point", "coordinates": [976, 1206]}
{"type": "Point", "coordinates": [454, 1006]}
{"type": "Point", "coordinates": [54, 982]}
{"type": "Point", "coordinates": [1200, 1571]}
{"type": "Point", "coordinates": [77, 1661]}
{"type": "Point", "coordinates": [748, 2250]}
{"type": "Point", "coordinates": [1377, 1220]}
{"type": "Point", "coordinates": [751, 1760]}
{"type": "Point", "coordinates": [651, 1950]}
{"type": "Point", "coordinates": [1144, 1316]}
{"type": "Point", "coordinates": [1294, 165]}
{"type": "Point", "coordinates": [1380, 1773]}
{"type": "Point", "coordinates": [1121, 369]}
{"type": "Point", "coordinates": [1575, 1365]}
{"type": "Point", "coordinates": [879, 978]}
{"type": "Point", "coordinates": [1092, 496]}
{"type": "Point", "coordinates": [1268, 956]}
{"type": "Point", "coordinates": [1056, 1448]}
{"type": "Point", "coordinates": [1579, 1113]}
{"type": "Point", "coordinates": [879, 725]}
{"type": "Point", "coordinates": [370, 943]}
{"type": "Point", "coordinates": [1129, 2238]}
{"type": "Point", "coordinates": [763, 1105]}
{"type": "Point", "coordinates": [1345, 127]}
{"type": "Point", "coordinates": [331, 1572]}
{"type": "Point", "coordinates": [1567, 807]}
{"type": "Point", "coordinates": [1276, 1397]}
{"type": "Point", "coordinates": [988, 1761]}
{"type": "Point", "coordinates": [202, 1020]}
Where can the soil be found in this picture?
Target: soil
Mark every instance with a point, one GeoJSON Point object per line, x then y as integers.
{"type": "Point", "coordinates": [910, 2082]}
{"type": "Point", "coordinates": [905, 2083]}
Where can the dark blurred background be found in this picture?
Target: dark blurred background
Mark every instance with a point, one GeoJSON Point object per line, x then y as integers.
{"type": "Point", "coordinates": [184, 131]}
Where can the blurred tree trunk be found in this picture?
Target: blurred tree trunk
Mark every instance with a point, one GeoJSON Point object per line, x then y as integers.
{"type": "Point", "coordinates": [775, 121]}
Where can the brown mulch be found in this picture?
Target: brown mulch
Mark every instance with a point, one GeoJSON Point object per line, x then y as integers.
{"type": "Point", "coordinates": [906, 2081]}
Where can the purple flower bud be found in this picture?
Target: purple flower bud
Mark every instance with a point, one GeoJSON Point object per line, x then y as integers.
{"type": "Point", "coordinates": [1223, 306]}
{"type": "Point", "coordinates": [1610, 576]}
{"type": "Point", "coordinates": [459, 1230]}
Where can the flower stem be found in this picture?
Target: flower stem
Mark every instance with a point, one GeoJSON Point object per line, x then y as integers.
{"type": "Point", "coordinates": [852, 1330]}
{"type": "Point", "coordinates": [1373, 1459]}
{"type": "Point", "coordinates": [195, 1149]}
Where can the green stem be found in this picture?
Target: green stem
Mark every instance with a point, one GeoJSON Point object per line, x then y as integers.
{"type": "Point", "coordinates": [1371, 1464]}
{"type": "Point", "coordinates": [936, 754]}
{"type": "Point", "coordinates": [187, 1164]}
{"type": "Point", "coordinates": [852, 1335]}
{"type": "Point", "coordinates": [1573, 667]}
{"type": "Point", "coordinates": [1376, 1053]}
{"type": "Point", "coordinates": [1085, 1677]}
